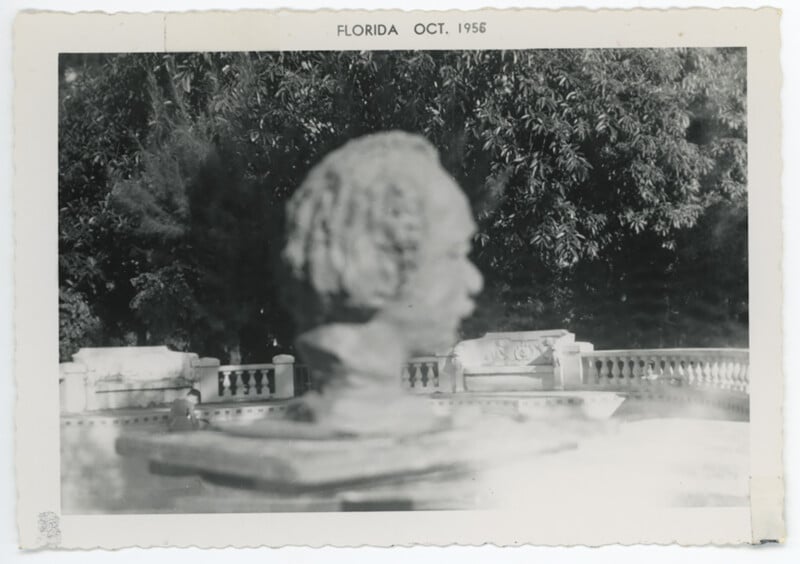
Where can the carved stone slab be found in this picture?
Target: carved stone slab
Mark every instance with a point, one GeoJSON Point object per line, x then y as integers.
{"type": "Point", "coordinates": [515, 361]}
{"type": "Point", "coordinates": [522, 348]}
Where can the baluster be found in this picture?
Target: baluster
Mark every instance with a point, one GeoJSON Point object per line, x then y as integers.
{"type": "Point", "coordinates": [234, 381]}
{"type": "Point", "coordinates": [699, 376]}
{"type": "Point", "coordinates": [412, 375]}
{"type": "Point", "coordinates": [718, 372]}
{"type": "Point", "coordinates": [713, 372]}
{"type": "Point", "coordinates": [631, 367]}
{"type": "Point", "coordinates": [271, 380]}
{"type": "Point", "coordinates": [706, 371]}
{"type": "Point", "coordinates": [434, 366]}
{"type": "Point", "coordinates": [225, 382]}
{"type": "Point", "coordinates": [245, 379]}
{"type": "Point", "coordinates": [633, 371]}
{"type": "Point", "coordinates": [725, 367]}
{"type": "Point", "coordinates": [630, 363]}
{"type": "Point", "coordinates": [653, 369]}
{"type": "Point", "coordinates": [423, 374]}
{"type": "Point", "coordinates": [734, 374]}
{"type": "Point", "coordinates": [746, 376]}
{"type": "Point", "coordinates": [636, 372]}
{"type": "Point", "coordinates": [691, 372]}
{"type": "Point", "coordinates": [615, 371]}
{"type": "Point", "coordinates": [643, 362]}
{"type": "Point", "coordinates": [667, 370]}
{"type": "Point", "coordinates": [741, 376]}
{"type": "Point", "coordinates": [680, 372]}
{"type": "Point", "coordinates": [664, 372]}
{"type": "Point", "coordinates": [604, 372]}
{"type": "Point", "coordinates": [682, 367]}
{"type": "Point", "coordinates": [258, 380]}
{"type": "Point", "coordinates": [625, 370]}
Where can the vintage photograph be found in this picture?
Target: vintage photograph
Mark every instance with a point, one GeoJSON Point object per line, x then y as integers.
{"type": "Point", "coordinates": [403, 280]}
{"type": "Point", "coordinates": [307, 279]}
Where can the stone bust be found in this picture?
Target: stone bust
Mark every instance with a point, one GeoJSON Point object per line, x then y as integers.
{"type": "Point", "coordinates": [376, 256]}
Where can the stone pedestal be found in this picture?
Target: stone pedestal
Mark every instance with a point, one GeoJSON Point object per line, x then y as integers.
{"type": "Point", "coordinates": [284, 376]}
{"type": "Point", "coordinates": [570, 365]}
{"type": "Point", "coordinates": [74, 387]}
{"type": "Point", "coordinates": [302, 460]}
{"type": "Point", "coordinates": [205, 374]}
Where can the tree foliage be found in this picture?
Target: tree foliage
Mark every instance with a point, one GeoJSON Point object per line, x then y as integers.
{"type": "Point", "coordinates": [609, 185]}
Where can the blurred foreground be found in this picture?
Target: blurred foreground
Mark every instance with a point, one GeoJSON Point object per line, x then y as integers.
{"type": "Point", "coordinates": [649, 454]}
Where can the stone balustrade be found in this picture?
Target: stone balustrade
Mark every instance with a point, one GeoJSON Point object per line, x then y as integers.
{"type": "Point", "coordinates": [430, 374]}
{"type": "Point", "coordinates": [578, 367]}
{"type": "Point", "coordinates": [575, 366]}
{"type": "Point", "coordinates": [245, 382]}
{"type": "Point", "coordinates": [703, 369]}
{"type": "Point", "coordinates": [139, 377]}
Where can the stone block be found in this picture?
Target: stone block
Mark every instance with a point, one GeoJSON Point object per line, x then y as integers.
{"type": "Point", "coordinates": [569, 375]}
{"type": "Point", "coordinates": [122, 377]}
{"type": "Point", "coordinates": [74, 387]}
{"type": "Point", "coordinates": [135, 363]}
{"type": "Point", "coordinates": [205, 375]}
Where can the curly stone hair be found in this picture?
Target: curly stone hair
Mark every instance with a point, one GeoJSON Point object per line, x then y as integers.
{"type": "Point", "coordinates": [355, 225]}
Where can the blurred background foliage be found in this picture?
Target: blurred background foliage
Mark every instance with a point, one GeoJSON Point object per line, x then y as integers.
{"type": "Point", "coordinates": [610, 187]}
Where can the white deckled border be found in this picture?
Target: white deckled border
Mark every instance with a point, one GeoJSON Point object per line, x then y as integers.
{"type": "Point", "coordinates": [38, 40]}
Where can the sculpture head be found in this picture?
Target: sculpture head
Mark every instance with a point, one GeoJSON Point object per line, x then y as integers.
{"type": "Point", "coordinates": [379, 231]}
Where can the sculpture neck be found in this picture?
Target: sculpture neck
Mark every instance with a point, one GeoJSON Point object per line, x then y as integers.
{"type": "Point", "coordinates": [366, 355]}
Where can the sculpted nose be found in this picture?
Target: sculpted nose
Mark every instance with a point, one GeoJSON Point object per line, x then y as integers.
{"type": "Point", "coordinates": [473, 278]}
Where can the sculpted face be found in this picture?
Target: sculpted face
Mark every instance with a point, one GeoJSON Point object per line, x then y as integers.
{"type": "Point", "coordinates": [439, 292]}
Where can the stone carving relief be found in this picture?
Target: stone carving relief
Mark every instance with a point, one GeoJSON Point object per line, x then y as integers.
{"type": "Point", "coordinates": [512, 349]}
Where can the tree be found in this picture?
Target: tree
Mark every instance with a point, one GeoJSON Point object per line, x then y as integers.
{"type": "Point", "coordinates": [609, 185]}
{"type": "Point", "coordinates": [103, 111]}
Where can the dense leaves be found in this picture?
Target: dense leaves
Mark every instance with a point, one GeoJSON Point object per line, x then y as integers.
{"type": "Point", "coordinates": [609, 185]}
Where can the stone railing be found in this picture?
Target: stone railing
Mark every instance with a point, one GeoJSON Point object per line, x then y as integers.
{"type": "Point", "coordinates": [430, 374]}
{"type": "Point", "coordinates": [239, 381]}
{"type": "Point", "coordinates": [245, 382]}
{"type": "Point", "coordinates": [142, 378]}
{"type": "Point", "coordinates": [703, 369]}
